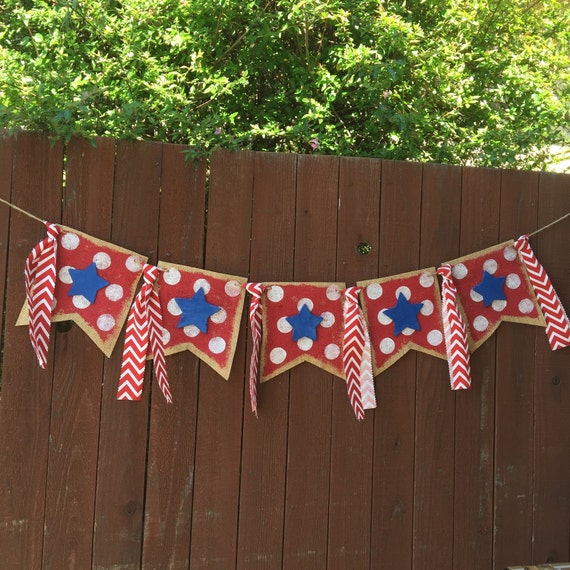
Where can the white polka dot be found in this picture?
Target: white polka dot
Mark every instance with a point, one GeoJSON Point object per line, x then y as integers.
{"type": "Point", "coordinates": [332, 351]}
{"type": "Point", "coordinates": [202, 284]}
{"type": "Point", "coordinates": [513, 281]}
{"type": "Point", "coordinates": [480, 323]}
{"type": "Point", "coordinates": [383, 319]}
{"type": "Point", "coordinates": [475, 296]}
{"type": "Point", "coordinates": [374, 291]}
{"type": "Point", "coordinates": [427, 308]}
{"type": "Point", "coordinates": [408, 331]}
{"type": "Point", "coordinates": [80, 302]}
{"type": "Point", "coordinates": [328, 320]}
{"type": "Point", "coordinates": [498, 305]}
{"type": "Point", "coordinates": [490, 266]}
{"type": "Point", "coordinates": [387, 346]}
{"type": "Point", "coordinates": [305, 301]}
{"type": "Point", "coordinates": [426, 280]}
{"type": "Point", "coordinates": [69, 241]}
{"type": "Point", "coordinates": [172, 276]}
{"type": "Point", "coordinates": [333, 293]}
{"type": "Point", "coordinates": [275, 293]}
{"type": "Point", "coordinates": [232, 288]}
{"type": "Point", "coordinates": [217, 345]}
{"type": "Point", "coordinates": [459, 271]}
{"type": "Point", "coordinates": [105, 322]}
{"type": "Point", "coordinates": [191, 331]}
{"type": "Point", "coordinates": [114, 292]}
{"type": "Point", "coordinates": [277, 355]}
{"type": "Point", "coordinates": [305, 343]}
{"type": "Point", "coordinates": [219, 317]}
{"type": "Point", "coordinates": [173, 308]}
{"type": "Point", "coordinates": [134, 263]}
{"type": "Point", "coordinates": [284, 325]}
{"type": "Point", "coordinates": [165, 336]}
{"type": "Point", "coordinates": [526, 306]}
{"type": "Point", "coordinates": [65, 276]}
{"type": "Point", "coordinates": [404, 291]}
{"type": "Point", "coordinates": [510, 253]}
{"type": "Point", "coordinates": [434, 337]}
{"type": "Point", "coordinates": [102, 260]}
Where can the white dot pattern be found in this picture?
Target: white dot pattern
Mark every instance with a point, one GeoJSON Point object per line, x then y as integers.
{"type": "Point", "coordinates": [427, 308]}
{"type": "Point", "coordinates": [173, 308]}
{"type": "Point", "coordinates": [80, 302]}
{"type": "Point", "coordinates": [498, 305]}
{"type": "Point", "coordinates": [383, 318]}
{"type": "Point", "coordinates": [65, 276]}
{"type": "Point", "coordinates": [70, 241]}
{"type": "Point", "coordinates": [219, 317]}
{"type": "Point", "coordinates": [426, 280]}
{"type": "Point", "coordinates": [459, 271]}
{"type": "Point", "coordinates": [217, 345]}
{"type": "Point", "coordinates": [328, 320]}
{"type": "Point", "coordinates": [374, 291]}
{"type": "Point", "coordinates": [102, 260]}
{"type": "Point", "coordinates": [332, 351]}
{"type": "Point", "coordinates": [403, 291]}
{"type": "Point", "coordinates": [191, 331]}
{"type": "Point", "coordinates": [202, 284]}
{"type": "Point", "coordinates": [480, 323]}
{"type": "Point", "coordinates": [333, 293]}
{"type": "Point", "coordinates": [105, 322]}
{"type": "Point", "coordinates": [305, 343]}
{"type": "Point", "coordinates": [232, 288]}
{"type": "Point", "coordinates": [526, 306]}
{"type": "Point", "coordinates": [305, 301]}
{"type": "Point", "coordinates": [513, 281]}
{"type": "Point", "coordinates": [435, 338]}
{"type": "Point", "coordinates": [114, 292]}
{"type": "Point", "coordinates": [510, 253]}
{"type": "Point", "coordinates": [278, 355]}
{"type": "Point", "coordinates": [275, 293]}
{"type": "Point", "coordinates": [134, 263]}
{"type": "Point", "coordinates": [284, 325]}
{"type": "Point", "coordinates": [490, 266]}
{"type": "Point", "coordinates": [172, 276]}
{"type": "Point", "coordinates": [387, 346]}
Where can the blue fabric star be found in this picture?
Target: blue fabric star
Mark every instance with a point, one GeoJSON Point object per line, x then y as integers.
{"type": "Point", "coordinates": [404, 314]}
{"type": "Point", "coordinates": [491, 288]}
{"type": "Point", "coordinates": [196, 311]}
{"type": "Point", "coordinates": [304, 324]}
{"type": "Point", "coordinates": [86, 282]}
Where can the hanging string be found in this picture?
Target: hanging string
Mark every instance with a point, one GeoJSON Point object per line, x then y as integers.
{"type": "Point", "coordinates": [549, 225]}
{"type": "Point", "coordinates": [22, 211]}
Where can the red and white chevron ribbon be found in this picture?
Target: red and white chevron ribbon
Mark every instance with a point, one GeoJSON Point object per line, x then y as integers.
{"type": "Point", "coordinates": [255, 319]}
{"type": "Point", "coordinates": [144, 331]}
{"type": "Point", "coordinates": [39, 279]}
{"type": "Point", "coordinates": [455, 333]}
{"type": "Point", "coordinates": [557, 324]}
{"type": "Point", "coordinates": [354, 351]}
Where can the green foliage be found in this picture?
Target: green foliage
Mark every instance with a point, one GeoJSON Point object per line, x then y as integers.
{"type": "Point", "coordinates": [472, 82]}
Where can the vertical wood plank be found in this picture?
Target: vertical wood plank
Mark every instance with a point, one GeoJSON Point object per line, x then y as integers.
{"type": "Point", "coordinates": [435, 402]}
{"type": "Point", "coordinates": [392, 500]}
{"type": "Point", "coordinates": [74, 428]}
{"type": "Point", "coordinates": [172, 428]}
{"type": "Point", "coordinates": [474, 425]}
{"type": "Point", "coordinates": [26, 388]}
{"type": "Point", "coordinates": [514, 394]}
{"type": "Point", "coordinates": [264, 452]}
{"type": "Point", "coordinates": [308, 453]}
{"type": "Point", "coordinates": [6, 164]}
{"type": "Point", "coordinates": [119, 502]}
{"type": "Point", "coordinates": [220, 404]}
{"type": "Point", "coordinates": [351, 440]}
{"type": "Point", "coordinates": [551, 492]}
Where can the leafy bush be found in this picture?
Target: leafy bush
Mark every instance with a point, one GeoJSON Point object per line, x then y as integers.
{"type": "Point", "coordinates": [474, 82]}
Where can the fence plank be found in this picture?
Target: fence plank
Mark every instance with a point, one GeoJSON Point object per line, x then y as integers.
{"type": "Point", "coordinates": [392, 499]}
{"type": "Point", "coordinates": [514, 395]}
{"type": "Point", "coordinates": [6, 159]}
{"type": "Point", "coordinates": [74, 429]}
{"type": "Point", "coordinates": [264, 452]}
{"type": "Point", "coordinates": [435, 402]}
{"type": "Point", "coordinates": [26, 389]}
{"type": "Point", "coordinates": [551, 480]}
{"type": "Point", "coordinates": [119, 502]}
{"type": "Point", "coordinates": [172, 428]}
{"type": "Point", "coordinates": [474, 424]}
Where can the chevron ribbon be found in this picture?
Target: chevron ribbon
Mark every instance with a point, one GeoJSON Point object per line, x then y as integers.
{"type": "Point", "coordinates": [255, 319]}
{"type": "Point", "coordinates": [144, 331]}
{"type": "Point", "coordinates": [557, 324]}
{"type": "Point", "coordinates": [455, 333]}
{"type": "Point", "coordinates": [354, 351]}
{"type": "Point", "coordinates": [39, 279]}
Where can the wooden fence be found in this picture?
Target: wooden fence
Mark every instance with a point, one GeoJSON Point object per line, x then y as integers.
{"type": "Point", "coordinates": [430, 480]}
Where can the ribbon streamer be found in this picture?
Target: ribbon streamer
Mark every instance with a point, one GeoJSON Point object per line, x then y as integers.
{"type": "Point", "coordinates": [255, 319]}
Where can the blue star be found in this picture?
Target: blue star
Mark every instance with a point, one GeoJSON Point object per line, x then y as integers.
{"type": "Point", "coordinates": [404, 314]}
{"type": "Point", "coordinates": [86, 282]}
{"type": "Point", "coordinates": [196, 311]}
{"type": "Point", "coordinates": [304, 324]}
{"type": "Point", "coordinates": [491, 288]}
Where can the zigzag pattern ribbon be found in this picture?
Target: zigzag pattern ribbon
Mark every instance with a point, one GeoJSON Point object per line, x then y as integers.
{"type": "Point", "coordinates": [255, 319]}
{"type": "Point", "coordinates": [144, 330]}
{"type": "Point", "coordinates": [353, 349]}
{"type": "Point", "coordinates": [39, 279]}
{"type": "Point", "coordinates": [557, 324]}
{"type": "Point", "coordinates": [454, 332]}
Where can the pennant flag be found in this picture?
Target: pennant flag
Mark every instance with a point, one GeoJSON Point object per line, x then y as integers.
{"type": "Point", "coordinates": [39, 279]}
{"type": "Point", "coordinates": [493, 286]}
{"type": "Point", "coordinates": [255, 319]}
{"type": "Point", "coordinates": [303, 322]}
{"type": "Point", "coordinates": [403, 312]}
{"type": "Point", "coordinates": [557, 324]}
{"type": "Point", "coordinates": [144, 332]}
{"type": "Point", "coordinates": [201, 312]}
{"type": "Point", "coordinates": [455, 333]}
{"type": "Point", "coordinates": [95, 283]}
